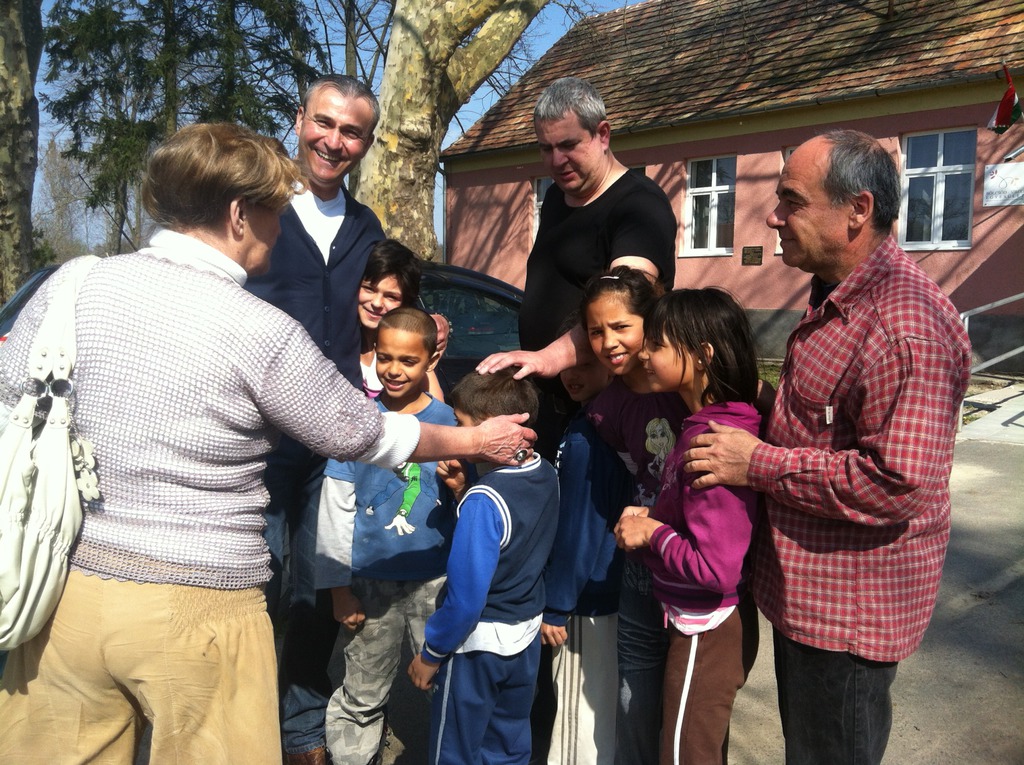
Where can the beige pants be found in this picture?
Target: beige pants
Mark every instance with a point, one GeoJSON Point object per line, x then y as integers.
{"type": "Point", "coordinates": [587, 686]}
{"type": "Point", "coordinates": [197, 663]}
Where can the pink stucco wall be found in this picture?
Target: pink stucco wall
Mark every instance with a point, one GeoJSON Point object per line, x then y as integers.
{"type": "Point", "coordinates": [490, 214]}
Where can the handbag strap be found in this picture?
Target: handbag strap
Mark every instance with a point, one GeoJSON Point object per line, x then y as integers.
{"type": "Point", "coordinates": [53, 349]}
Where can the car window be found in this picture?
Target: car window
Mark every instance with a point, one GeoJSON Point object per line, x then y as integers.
{"type": "Point", "coordinates": [481, 323]}
{"type": "Point", "coordinates": [11, 309]}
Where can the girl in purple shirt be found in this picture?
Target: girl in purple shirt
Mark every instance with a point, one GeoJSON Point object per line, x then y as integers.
{"type": "Point", "coordinates": [698, 344]}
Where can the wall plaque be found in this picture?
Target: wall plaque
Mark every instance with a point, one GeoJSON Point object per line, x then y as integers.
{"type": "Point", "coordinates": [752, 256]}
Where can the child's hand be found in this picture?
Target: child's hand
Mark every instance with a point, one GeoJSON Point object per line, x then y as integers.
{"type": "Point", "coordinates": [348, 609]}
{"type": "Point", "coordinates": [634, 510]}
{"type": "Point", "coordinates": [444, 329]}
{"type": "Point", "coordinates": [634, 530]}
{"type": "Point", "coordinates": [453, 475]}
{"type": "Point", "coordinates": [422, 672]}
{"type": "Point", "coordinates": [552, 635]}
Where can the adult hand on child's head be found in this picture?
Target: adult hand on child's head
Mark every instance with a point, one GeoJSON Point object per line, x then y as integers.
{"type": "Point", "coordinates": [529, 362]}
{"type": "Point", "coordinates": [504, 440]}
{"type": "Point", "coordinates": [556, 356]}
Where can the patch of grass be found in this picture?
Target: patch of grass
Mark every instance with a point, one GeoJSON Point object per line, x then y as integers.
{"type": "Point", "coordinates": [769, 370]}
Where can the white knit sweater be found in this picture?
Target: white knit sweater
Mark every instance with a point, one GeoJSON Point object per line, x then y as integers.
{"type": "Point", "coordinates": [183, 382]}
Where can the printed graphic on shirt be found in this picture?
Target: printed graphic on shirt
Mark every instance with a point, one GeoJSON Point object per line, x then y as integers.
{"type": "Point", "coordinates": [409, 474]}
{"type": "Point", "coordinates": [660, 442]}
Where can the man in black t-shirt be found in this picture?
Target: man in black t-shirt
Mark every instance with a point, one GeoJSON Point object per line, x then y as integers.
{"type": "Point", "coordinates": [597, 214]}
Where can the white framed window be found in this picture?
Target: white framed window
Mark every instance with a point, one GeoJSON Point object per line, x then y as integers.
{"type": "Point", "coordinates": [710, 206]}
{"type": "Point", "coordinates": [540, 188]}
{"type": "Point", "coordinates": [938, 190]}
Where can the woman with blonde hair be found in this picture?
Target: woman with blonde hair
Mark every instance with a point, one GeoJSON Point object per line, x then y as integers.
{"type": "Point", "coordinates": [183, 383]}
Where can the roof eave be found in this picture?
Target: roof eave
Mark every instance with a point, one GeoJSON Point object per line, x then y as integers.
{"type": "Point", "coordinates": [718, 115]}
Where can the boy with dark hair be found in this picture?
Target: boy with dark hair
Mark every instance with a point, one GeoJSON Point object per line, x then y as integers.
{"type": "Point", "coordinates": [483, 642]}
{"type": "Point", "coordinates": [382, 545]}
{"type": "Point", "coordinates": [583, 578]}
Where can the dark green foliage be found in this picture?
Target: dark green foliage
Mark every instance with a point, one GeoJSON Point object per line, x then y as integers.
{"type": "Point", "coordinates": [125, 74]}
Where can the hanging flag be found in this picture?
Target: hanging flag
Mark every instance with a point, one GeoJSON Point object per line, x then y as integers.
{"type": "Point", "coordinates": [1008, 110]}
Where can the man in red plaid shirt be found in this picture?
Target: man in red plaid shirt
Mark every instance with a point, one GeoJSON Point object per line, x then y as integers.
{"type": "Point", "coordinates": [856, 461]}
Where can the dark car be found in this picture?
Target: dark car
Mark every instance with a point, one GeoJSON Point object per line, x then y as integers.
{"type": "Point", "coordinates": [9, 313]}
{"type": "Point", "coordinates": [483, 311]}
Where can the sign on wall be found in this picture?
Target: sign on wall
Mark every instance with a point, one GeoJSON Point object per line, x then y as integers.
{"type": "Point", "coordinates": [752, 256]}
{"type": "Point", "coordinates": [1004, 184]}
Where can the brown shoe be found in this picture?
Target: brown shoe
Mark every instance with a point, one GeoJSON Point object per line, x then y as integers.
{"type": "Point", "coordinates": [316, 756]}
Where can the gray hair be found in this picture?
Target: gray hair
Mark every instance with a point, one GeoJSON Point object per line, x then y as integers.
{"type": "Point", "coordinates": [571, 94]}
{"type": "Point", "coordinates": [347, 87]}
{"type": "Point", "coordinates": [858, 162]}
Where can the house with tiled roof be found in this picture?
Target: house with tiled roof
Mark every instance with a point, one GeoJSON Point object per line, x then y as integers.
{"type": "Point", "coordinates": [708, 97]}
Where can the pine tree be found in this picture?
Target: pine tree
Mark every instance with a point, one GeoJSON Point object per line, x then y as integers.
{"type": "Point", "coordinates": [130, 72]}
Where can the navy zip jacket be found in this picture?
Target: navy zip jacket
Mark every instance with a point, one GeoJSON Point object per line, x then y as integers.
{"type": "Point", "coordinates": [584, 572]}
{"type": "Point", "coordinates": [322, 297]}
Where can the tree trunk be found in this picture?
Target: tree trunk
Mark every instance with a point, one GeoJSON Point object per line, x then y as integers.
{"type": "Point", "coordinates": [21, 39]}
{"type": "Point", "coordinates": [431, 71]}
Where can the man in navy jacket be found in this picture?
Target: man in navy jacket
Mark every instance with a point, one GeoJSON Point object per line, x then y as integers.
{"type": "Point", "coordinates": [315, 271]}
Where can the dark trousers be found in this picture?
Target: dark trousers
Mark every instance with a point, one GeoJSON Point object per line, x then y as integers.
{"type": "Point", "coordinates": [642, 644]}
{"type": "Point", "coordinates": [555, 411]}
{"type": "Point", "coordinates": [545, 707]}
{"type": "Point", "coordinates": [835, 707]}
{"type": "Point", "coordinates": [293, 478]}
{"type": "Point", "coordinates": [480, 710]}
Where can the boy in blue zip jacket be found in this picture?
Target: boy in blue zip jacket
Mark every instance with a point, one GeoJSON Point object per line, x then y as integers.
{"type": "Point", "coordinates": [382, 545]}
{"type": "Point", "coordinates": [583, 580]}
{"type": "Point", "coordinates": [483, 642]}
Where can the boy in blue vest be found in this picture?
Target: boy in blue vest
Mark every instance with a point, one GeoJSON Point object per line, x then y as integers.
{"type": "Point", "coordinates": [483, 642]}
{"type": "Point", "coordinates": [382, 545]}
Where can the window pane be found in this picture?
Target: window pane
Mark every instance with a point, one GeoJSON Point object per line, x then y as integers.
{"type": "Point", "coordinates": [726, 171]}
{"type": "Point", "coordinates": [956, 209]}
{"type": "Point", "coordinates": [919, 209]}
{"type": "Point", "coordinates": [543, 184]}
{"type": "Point", "coordinates": [481, 323]}
{"type": "Point", "coordinates": [958, 148]}
{"type": "Point", "coordinates": [726, 216]}
{"type": "Point", "coordinates": [923, 150]}
{"type": "Point", "coordinates": [699, 221]}
{"type": "Point", "coordinates": [700, 173]}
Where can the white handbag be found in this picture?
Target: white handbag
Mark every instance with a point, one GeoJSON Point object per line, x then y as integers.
{"type": "Point", "coordinates": [43, 467]}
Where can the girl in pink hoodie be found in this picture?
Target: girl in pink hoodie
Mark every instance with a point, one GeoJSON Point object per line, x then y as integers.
{"type": "Point", "coordinates": [698, 343]}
